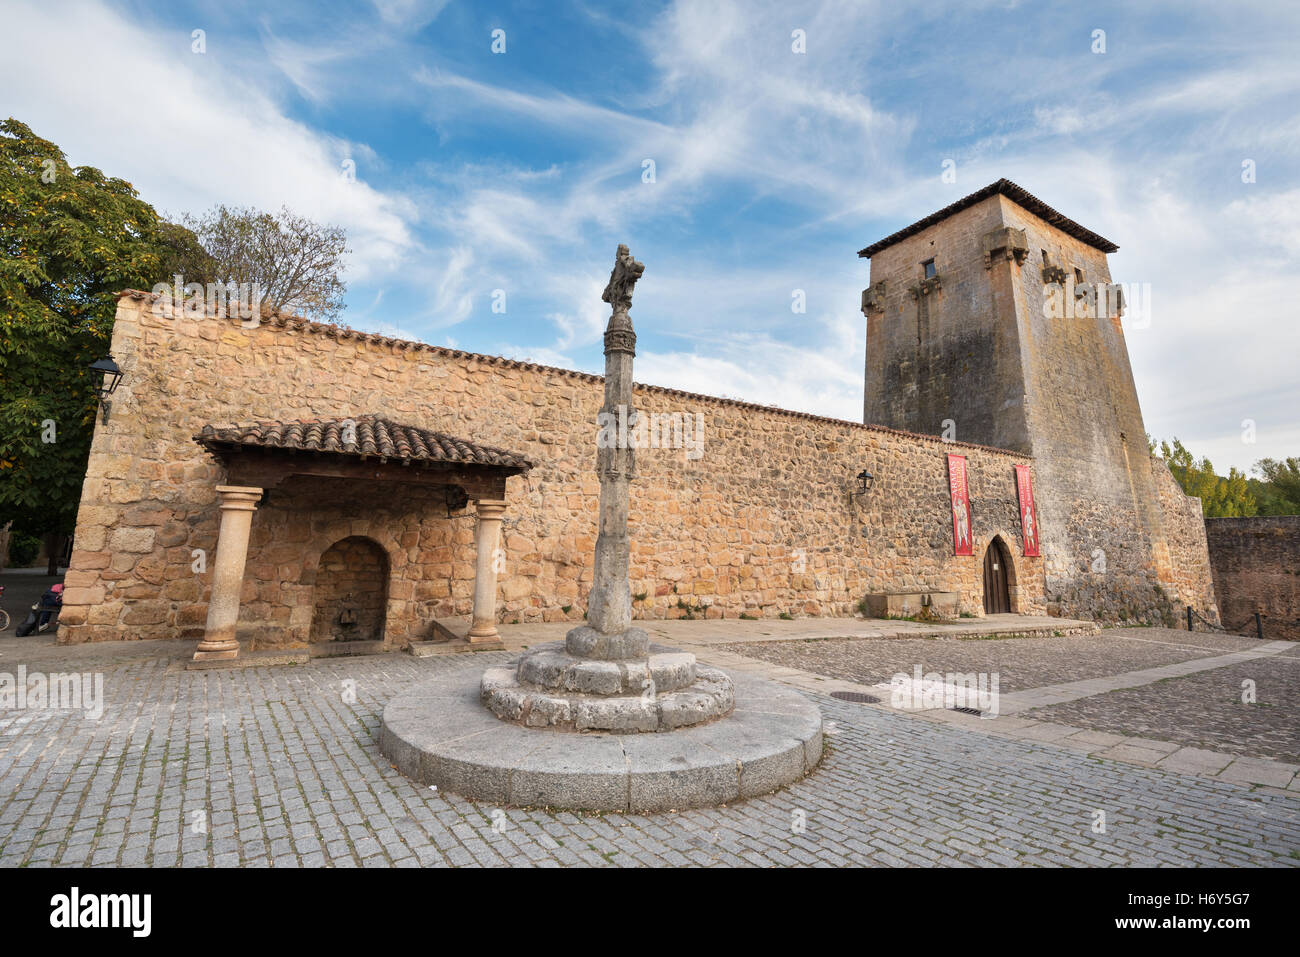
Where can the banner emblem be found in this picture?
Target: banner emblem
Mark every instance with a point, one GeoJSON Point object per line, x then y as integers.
{"type": "Point", "coordinates": [1028, 517]}
{"type": "Point", "coordinates": [961, 518]}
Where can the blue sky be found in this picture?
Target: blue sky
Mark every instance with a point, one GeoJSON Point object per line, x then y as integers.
{"type": "Point", "coordinates": [522, 171]}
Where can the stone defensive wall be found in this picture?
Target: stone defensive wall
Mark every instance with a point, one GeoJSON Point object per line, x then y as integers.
{"type": "Point", "coordinates": [754, 513]}
{"type": "Point", "coordinates": [1187, 578]}
{"type": "Point", "coordinates": [1256, 564]}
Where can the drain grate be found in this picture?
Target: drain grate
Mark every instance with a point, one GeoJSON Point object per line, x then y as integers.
{"type": "Point", "coordinates": [855, 696]}
{"type": "Point", "coordinates": [975, 711]}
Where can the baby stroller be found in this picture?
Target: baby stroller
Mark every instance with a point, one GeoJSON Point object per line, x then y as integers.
{"type": "Point", "coordinates": [42, 614]}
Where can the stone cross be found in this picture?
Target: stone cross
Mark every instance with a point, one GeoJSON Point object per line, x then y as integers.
{"type": "Point", "coordinates": [609, 632]}
{"type": "Point", "coordinates": [604, 677]}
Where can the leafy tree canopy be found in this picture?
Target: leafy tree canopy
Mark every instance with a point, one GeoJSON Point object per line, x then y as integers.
{"type": "Point", "coordinates": [1275, 492]}
{"type": "Point", "coordinates": [294, 261]}
{"type": "Point", "coordinates": [1278, 488]}
{"type": "Point", "coordinates": [70, 239]}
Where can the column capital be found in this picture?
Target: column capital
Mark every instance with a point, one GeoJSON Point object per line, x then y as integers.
{"type": "Point", "coordinates": [242, 497]}
{"type": "Point", "coordinates": [490, 508]}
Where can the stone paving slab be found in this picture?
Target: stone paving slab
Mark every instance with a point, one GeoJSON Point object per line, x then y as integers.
{"type": "Point", "coordinates": [1125, 745]}
{"type": "Point", "coordinates": [1196, 761]}
{"type": "Point", "coordinates": [1203, 710]}
{"type": "Point", "coordinates": [1258, 771]}
{"type": "Point", "coordinates": [1074, 690]}
{"type": "Point", "coordinates": [1027, 665]}
{"type": "Point", "coordinates": [280, 767]}
{"type": "Point", "coordinates": [42, 650]}
{"type": "Point", "coordinates": [1262, 774]}
{"type": "Point", "coordinates": [722, 631]}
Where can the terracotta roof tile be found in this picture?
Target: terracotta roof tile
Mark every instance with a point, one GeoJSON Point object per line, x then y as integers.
{"type": "Point", "coordinates": [372, 436]}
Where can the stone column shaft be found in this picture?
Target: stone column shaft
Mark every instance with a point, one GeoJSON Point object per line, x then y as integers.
{"type": "Point", "coordinates": [609, 604]}
{"type": "Point", "coordinates": [609, 634]}
{"type": "Point", "coordinates": [487, 541]}
{"type": "Point", "coordinates": [238, 502]}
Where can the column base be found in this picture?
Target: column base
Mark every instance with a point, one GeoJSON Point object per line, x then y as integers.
{"type": "Point", "coordinates": [483, 635]}
{"type": "Point", "coordinates": [216, 651]}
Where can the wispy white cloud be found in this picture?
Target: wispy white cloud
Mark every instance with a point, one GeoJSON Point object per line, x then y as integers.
{"type": "Point", "coordinates": [188, 128]}
{"type": "Point", "coordinates": [764, 371]}
{"type": "Point", "coordinates": [554, 110]}
{"type": "Point", "coordinates": [771, 168]}
{"type": "Point", "coordinates": [409, 14]}
{"type": "Point", "coordinates": [310, 66]}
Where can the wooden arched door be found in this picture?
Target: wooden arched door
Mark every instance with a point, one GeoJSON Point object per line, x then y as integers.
{"type": "Point", "coordinates": [997, 593]}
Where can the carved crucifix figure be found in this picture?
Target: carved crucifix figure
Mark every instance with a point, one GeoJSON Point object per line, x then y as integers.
{"type": "Point", "coordinates": [622, 280]}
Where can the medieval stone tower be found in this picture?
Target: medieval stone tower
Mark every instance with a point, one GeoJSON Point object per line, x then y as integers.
{"type": "Point", "coordinates": [994, 321]}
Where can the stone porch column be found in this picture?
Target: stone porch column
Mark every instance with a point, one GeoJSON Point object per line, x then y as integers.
{"type": "Point", "coordinates": [487, 540]}
{"type": "Point", "coordinates": [238, 502]}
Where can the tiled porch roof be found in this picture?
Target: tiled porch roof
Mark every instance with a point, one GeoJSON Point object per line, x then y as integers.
{"type": "Point", "coordinates": [376, 437]}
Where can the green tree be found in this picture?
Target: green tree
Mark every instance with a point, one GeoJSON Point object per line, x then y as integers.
{"type": "Point", "coordinates": [1221, 496]}
{"type": "Point", "coordinates": [1279, 490]}
{"type": "Point", "coordinates": [185, 254]}
{"type": "Point", "coordinates": [294, 260]}
{"type": "Point", "coordinates": [70, 239]}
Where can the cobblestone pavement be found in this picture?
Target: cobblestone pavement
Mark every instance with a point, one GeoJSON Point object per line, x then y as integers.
{"type": "Point", "coordinates": [1020, 663]}
{"type": "Point", "coordinates": [40, 652]}
{"type": "Point", "coordinates": [1203, 710]}
{"type": "Point", "coordinates": [279, 766]}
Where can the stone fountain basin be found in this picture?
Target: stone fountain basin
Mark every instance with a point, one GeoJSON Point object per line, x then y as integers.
{"type": "Point", "coordinates": [439, 734]}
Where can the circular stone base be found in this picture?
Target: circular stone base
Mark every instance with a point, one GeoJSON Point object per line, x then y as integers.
{"type": "Point", "coordinates": [712, 696]}
{"type": "Point", "coordinates": [551, 666]}
{"type": "Point", "coordinates": [549, 687]}
{"type": "Point", "coordinates": [439, 734]}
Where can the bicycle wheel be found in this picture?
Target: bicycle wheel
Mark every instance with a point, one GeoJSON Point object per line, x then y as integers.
{"type": "Point", "coordinates": [4, 620]}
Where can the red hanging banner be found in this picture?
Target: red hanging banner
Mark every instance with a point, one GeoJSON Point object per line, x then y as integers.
{"type": "Point", "coordinates": [1028, 517]}
{"type": "Point", "coordinates": [961, 537]}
